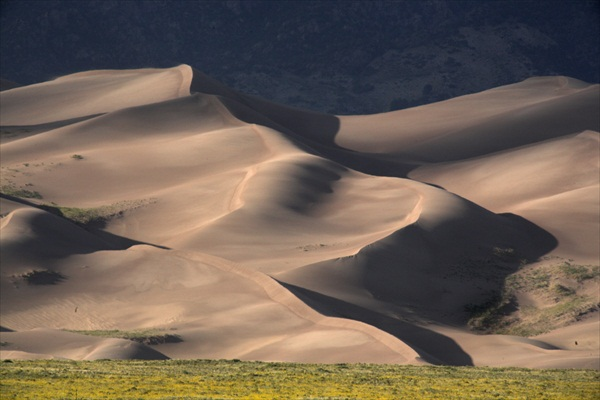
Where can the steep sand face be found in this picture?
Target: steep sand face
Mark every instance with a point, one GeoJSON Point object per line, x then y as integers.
{"type": "Point", "coordinates": [258, 231]}
{"type": "Point", "coordinates": [554, 184]}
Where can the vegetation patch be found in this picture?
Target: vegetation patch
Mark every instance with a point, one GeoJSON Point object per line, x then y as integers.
{"type": "Point", "coordinates": [507, 254]}
{"type": "Point", "coordinates": [11, 131]}
{"type": "Point", "coordinates": [43, 277]}
{"type": "Point", "coordinates": [88, 216]}
{"type": "Point", "coordinates": [534, 321]}
{"type": "Point", "coordinates": [312, 247]}
{"type": "Point", "coordinates": [218, 379]}
{"type": "Point", "coordinates": [83, 216]}
{"type": "Point", "coordinates": [493, 314]}
{"type": "Point", "coordinates": [146, 336]}
{"type": "Point", "coordinates": [559, 291]}
{"type": "Point", "coordinates": [579, 272]}
{"type": "Point", "coordinates": [12, 190]}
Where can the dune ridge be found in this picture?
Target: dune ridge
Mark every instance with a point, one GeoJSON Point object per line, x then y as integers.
{"type": "Point", "coordinates": [275, 233]}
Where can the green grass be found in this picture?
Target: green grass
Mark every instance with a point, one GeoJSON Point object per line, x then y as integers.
{"type": "Point", "coordinates": [12, 190]}
{"type": "Point", "coordinates": [560, 286]}
{"type": "Point", "coordinates": [145, 336]}
{"type": "Point", "coordinates": [87, 216]}
{"type": "Point", "coordinates": [79, 215]}
{"type": "Point", "coordinates": [220, 379]}
{"type": "Point", "coordinates": [536, 321]}
{"type": "Point", "coordinates": [579, 272]}
{"type": "Point", "coordinates": [82, 216]}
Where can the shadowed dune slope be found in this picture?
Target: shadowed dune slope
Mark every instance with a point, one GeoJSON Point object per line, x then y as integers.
{"type": "Point", "coordinates": [165, 200]}
{"type": "Point", "coordinates": [554, 184]}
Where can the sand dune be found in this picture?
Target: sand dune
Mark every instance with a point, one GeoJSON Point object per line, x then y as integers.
{"type": "Point", "coordinates": [91, 93]}
{"type": "Point", "coordinates": [34, 344]}
{"type": "Point", "coordinates": [258, 231]}
{"type": "Point", "coordinates": [5, 84]}
{"type": "Point", "coordinates": [478, 124]}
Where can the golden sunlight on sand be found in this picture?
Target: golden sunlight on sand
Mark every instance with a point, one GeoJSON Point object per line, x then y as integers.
{"type": "Point", "coordinates": [159, 199]}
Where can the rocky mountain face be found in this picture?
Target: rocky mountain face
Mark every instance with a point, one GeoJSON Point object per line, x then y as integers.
{"type": "Point", "coordinates": [344, 57]}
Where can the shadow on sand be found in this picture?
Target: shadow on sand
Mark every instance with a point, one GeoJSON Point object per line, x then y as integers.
{"type": "Point", "coordinates": [431, 346]}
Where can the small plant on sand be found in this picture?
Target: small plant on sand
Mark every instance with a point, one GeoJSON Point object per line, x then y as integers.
{"type": "Point", "coordinates": [43, 277]}
{"type": "Point", "coordinates": [505, 253]}
{"type": "Point", "coordinates": [77, 157]}
{"type": "Point", "coordinates": [145, 336]}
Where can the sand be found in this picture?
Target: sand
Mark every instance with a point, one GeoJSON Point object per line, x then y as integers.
{"type": "Point", "coordinates": [260, 232]}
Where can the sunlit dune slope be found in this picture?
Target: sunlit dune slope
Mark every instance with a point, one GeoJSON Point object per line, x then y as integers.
{"type": "Point", "coordinates": [259, 231]}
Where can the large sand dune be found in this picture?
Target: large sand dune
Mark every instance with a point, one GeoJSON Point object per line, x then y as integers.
{"type": "Point", "coordinates": [257, 231]}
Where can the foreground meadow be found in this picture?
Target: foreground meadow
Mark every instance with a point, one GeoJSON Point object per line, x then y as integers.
{"type": "Point", "coordinates": [221, 379]}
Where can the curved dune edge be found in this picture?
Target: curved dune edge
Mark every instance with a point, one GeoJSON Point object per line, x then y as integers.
{"type": "Point", "coordinates": [281, 295]}
{"type": "Point", "coordinates": [56, 344]}
{"type": "Point", "coordinates": [113, 90]}
{"type": "Point", "coordinates": [356, 342]}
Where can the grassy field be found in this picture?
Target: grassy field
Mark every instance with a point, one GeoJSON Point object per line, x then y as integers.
{"type": "Point", "coordinates": [220, 379]}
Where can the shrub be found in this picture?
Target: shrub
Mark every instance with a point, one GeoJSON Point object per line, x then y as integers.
{"type": "Point", "coordinates": [146, 336]}
{"type": "Point", "coordinates": [43, 277]}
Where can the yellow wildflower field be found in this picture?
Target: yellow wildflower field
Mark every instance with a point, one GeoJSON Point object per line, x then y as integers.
{"type": "Point", "coordinates": [223, 379]}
